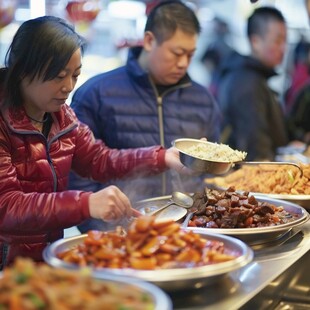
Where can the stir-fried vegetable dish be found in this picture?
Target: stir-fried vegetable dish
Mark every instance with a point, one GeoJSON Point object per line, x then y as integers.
{"type": "Point", "coordinates": [26, 286]}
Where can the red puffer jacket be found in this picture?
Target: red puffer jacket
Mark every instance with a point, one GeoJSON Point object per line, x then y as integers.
{"type": "Point", "coordinates": [34, 204]}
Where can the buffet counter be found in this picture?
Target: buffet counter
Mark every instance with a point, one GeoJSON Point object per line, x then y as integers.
{"type": "Point", "coordinates": [239, 287]}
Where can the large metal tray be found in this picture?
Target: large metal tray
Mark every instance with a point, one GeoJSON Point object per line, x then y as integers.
{"type": "Point", "coordinates": [301, 200]}
{"type": "Point", "coordinates": [252, 236]}
{"type": "Point", "coordinates": [160, 299]}
{"type": "Point", "coordinates": [167, 279]}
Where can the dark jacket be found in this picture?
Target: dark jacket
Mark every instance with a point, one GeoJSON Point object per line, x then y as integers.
{"type": "Point", "coordinates": [34, 204]}
{"type": "Point", "coordinates": [299, 117]}
{"type": "Point", "coordinates": [253, 118]}
{"type": "Point", "coordinates": [123, 108]}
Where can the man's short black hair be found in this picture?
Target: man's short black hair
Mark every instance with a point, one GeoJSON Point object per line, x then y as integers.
{"type": "Point", "coordinates": [168, 16]}
{"type": "Point", "coordinates": [260, 18]}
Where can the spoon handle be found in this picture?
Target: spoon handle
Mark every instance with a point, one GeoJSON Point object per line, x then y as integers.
{"type": "Point", "coordinates": [187, 219]}
{"type": "Point", "coordinates": [161, 208]}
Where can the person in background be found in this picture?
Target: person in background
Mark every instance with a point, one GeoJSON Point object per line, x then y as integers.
{"type": "Point", "coordinates": [253, 118]}
{"type": "Point", "coordinates": [150, 100]}
{"type": "Point", "coordinates": [300, 75]}
{"type": "Point", "coordinates": [41, 140]}
{"type": "Point", "coordinates": [217, 51]}
{"type": "Point", "coordinates": [297, 96]}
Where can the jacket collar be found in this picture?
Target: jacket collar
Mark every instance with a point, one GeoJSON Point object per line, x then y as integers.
{"type": "Point", "coordinates": [236, 62]}
{"type": "Point", "coordinates": [18, 120]}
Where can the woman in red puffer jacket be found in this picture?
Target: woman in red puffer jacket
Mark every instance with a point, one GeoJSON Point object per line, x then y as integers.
{"type": "Point", "coordinates": [41, 140]}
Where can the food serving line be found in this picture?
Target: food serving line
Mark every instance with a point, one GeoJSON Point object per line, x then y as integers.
{"type": "Point", "coordinates": [264, 251]}
{"type": "Point", "coordinates": [241, 286]}
{"type": "Point", "coordinates": [275, 250]}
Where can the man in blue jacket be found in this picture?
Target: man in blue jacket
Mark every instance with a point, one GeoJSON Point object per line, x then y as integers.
{"type": "Point", "coordinates": [150, 100]}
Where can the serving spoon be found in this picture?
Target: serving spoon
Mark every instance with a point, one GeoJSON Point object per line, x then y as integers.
{"type": "Point", "coordinates": [177, 198]}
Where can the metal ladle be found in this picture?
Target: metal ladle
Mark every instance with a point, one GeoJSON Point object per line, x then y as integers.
{"type": "Point", "coordinates": [177, 198]}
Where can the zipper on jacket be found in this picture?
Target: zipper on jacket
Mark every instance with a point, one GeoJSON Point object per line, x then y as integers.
{"type": "Point", "coordinates": [48, 144]}
{"type": "Point", "coordinates": [161, 139]}
{"type": "Point", "coordinates": [159, 100]}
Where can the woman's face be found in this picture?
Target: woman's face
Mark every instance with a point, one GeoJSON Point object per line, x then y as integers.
{"type": "Point", "coordinates": [48, 96]}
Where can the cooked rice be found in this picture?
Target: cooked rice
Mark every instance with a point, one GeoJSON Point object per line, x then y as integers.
{"type": "Point", "coordinates": [215, 152]}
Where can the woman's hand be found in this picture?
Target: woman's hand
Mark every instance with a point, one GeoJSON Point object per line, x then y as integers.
{"type": "Point", "coordinates": [111, 205]}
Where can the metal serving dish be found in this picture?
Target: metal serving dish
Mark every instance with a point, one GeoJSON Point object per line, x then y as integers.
{"type": "Point", "coordinates": [198, 164]}
{"type": "Point", "coordinates": [301, 200]}
{"type": "Point", "coordinates": [158, 297]}
{"type": "Point", "coordinates": [167, 279]}
{"type": "Point", "coordinates": [173, 212]}
{"type": "Point", "coordinates": [252, 236]}
{"type": "Point", "coordinates": [263, 235]}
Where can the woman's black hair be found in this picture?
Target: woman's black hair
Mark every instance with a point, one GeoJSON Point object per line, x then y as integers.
{"type": "Point", "coordinates": [41, 48]}
{"type": "Point", "coordinates": [168, 16]}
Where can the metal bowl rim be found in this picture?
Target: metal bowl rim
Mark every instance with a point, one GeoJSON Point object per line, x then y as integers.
{"type": "Point", "coordinates": [196, 141]}
{"type": "Point", "coordinates": [161, 300]}
{"type": "Point", "coordinates": [255, 230]}
{"type": "Point", "coordinates": [163, 275]}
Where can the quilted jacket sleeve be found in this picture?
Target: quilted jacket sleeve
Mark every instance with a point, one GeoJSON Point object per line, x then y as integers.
{"type": "Point", "coordinates": [28, 211]}
{"type": "Point", "coordinates": [93, 159]}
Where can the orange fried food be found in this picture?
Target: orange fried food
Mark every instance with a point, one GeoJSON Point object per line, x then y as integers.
{"type": "Point", "coordinates": [267, 179]}
{"type": "Point", "coordinates": [27, 286]}
{"type": "Point", "coordinates": [148, 245]}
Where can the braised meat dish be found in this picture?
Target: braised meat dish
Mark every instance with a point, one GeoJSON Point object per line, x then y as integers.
{"type": "Point", "coordinates": [230, 209]}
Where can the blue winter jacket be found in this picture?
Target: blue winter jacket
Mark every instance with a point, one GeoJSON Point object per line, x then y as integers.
{"type": "Point", "coordinates": [123, 108]}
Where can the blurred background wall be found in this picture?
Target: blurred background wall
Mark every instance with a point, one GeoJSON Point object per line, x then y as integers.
{"type": "Point", "coordinates": [111, 26]}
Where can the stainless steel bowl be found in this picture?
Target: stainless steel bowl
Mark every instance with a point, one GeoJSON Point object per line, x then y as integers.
{"type": "Point", "coordinates": [158, 297]}
{"type": "Point", "coordinates": [264, 235]}
{"type": "Point", "coordinates": [252, 236]}
{"type": "Point", "coordinates": [198, 164]}
{"type": "Point", "coordinates": [167, 279]}
{"type": "Point", "coordinates": [215, 166]}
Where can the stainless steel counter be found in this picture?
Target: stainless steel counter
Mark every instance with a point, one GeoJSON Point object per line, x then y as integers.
{"type": "Point", "coordinates": [239, 287]}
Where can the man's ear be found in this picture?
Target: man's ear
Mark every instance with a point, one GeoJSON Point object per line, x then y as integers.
{"type": "Point", "coordinates": [255, 42]}
{"type": "Point", "coordinates": [149, 41]}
